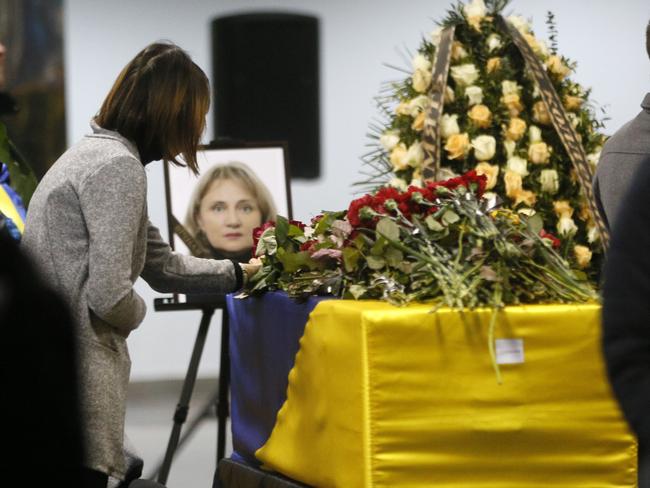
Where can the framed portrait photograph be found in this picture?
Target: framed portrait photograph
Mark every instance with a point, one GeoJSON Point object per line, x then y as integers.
{"type": "Point", "coordinates": [238, 188]}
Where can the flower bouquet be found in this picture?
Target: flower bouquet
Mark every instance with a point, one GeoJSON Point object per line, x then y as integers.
{"type": "Point", "coordinates": [493, 120]}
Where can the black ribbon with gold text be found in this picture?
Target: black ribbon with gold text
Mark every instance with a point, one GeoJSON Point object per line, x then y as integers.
{"type": "Point", "coordinates": [431, 132]}
{"type": "Point", "coordinates": [561, 122]}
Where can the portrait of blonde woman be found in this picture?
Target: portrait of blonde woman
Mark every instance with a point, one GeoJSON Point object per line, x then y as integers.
{"type": "Point", "coordinates": [228, 202]}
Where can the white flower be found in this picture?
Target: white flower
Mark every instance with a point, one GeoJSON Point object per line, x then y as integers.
{"type": "Point", "coordinates": [519, 23]}
{"type": "Point", "coordinates": [475, 9]}
{"type": "Point", "coordinates": [446, 174]}
{"type": "Point", "coordinates": [566, 226]}
{"type": "Point", "coordinates": [509, 88]}
{"type": "Point", "coordinates": [536, 93]}
{"type": "Point", "coordinates": [534, 134]}
{"type": "Point", "coordinates": [436, 35]}
{"type": "Point", "coordinates": [484, 147]}
{"type": "Point", "coordinates": [517, 165]}
{"type": "Point", "coordinates": [464, 74]}
{"type": "Point", "coordinates": [449, 125]}
{"type": "Point", "coordinates": [308, 231]}
{"type": "Point", "coordinates": [474, 94]}
{"type": "Point", "coordinates": [594, 157]}
{"type": "Point", "coordinates": [420, 62]}
{"type": "Point", "coordinates": [398, 183]}
{"type": "Point", "coordinates": [592, 234]}
{"type": "Point", "coordinates": [494, 42]}
{"type": "Point", "coordinates": [549, 180]}
{"type": "Point", "coordinates": [389, 139]}
{"type": "Point", "coordinates": [528, 212]}
{"type": "Point", "coordinates": [415, 155]}
{"type": "Point", "coordinates": [421, 80]}
{"type": "Point", "coordinates": [574, 119]}
{"type": "Point", "coordinates": [510, 147]}
{"type": "Point", "coordinates": [542, 48]}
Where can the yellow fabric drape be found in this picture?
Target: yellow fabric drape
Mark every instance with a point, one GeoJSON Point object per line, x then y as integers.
{"type": "Point", "coordinates": [400, 397]}
{"type": "Point", "coordinates": [8, 208]}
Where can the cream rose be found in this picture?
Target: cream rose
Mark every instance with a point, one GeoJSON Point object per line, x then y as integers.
{"type": "Point", "coordinates": [457, 146]}
{"type": "Point", "coordinates": [572, 103]}
{"type": "Point", "coordinates": [398, 157]}
{"type": "Point", "coordinates": [464, 74]}
{"type": "Point", "coordinates": [592, 234]}
{"type": "Point", "coordinates": [436, 35]}
{"type": "Point", "coordinates": [417, 105]}
{"type": "Point", "coordinates": [398, 183]}
{"type": "Point", "coordinates": [556, 67]}
{"type": "Point", "coordinates": [517, 165]}
{"type": "Point", "coordinates": [539, 153]}
{"type": "Point", "coordinates": [513, 103]}
{"type": "Point", "coordinates": [526, 197]}
{"type": "Point", "coordinates": [494, 42]}
{"type": "Point", "coordinates": [476, 8]}
{"type": "Point", "coordinates": [458, 52]}
{"type": "Point", "coordinates": [418, 122]}
{"type": "Point", "coordinates": [519, 23]}
{"type": "Point", "coordinates": [474, 94]}
{"type": "Point", "coordinates": [516, 129]}
{"type": "Point", "coordinates": [449, 95]}
{"type": "Point", "coordinates": [594, 157]}
{"type": "Point", "coordinates": [562, 208]}
{"type": "Point", "coordinates": [415, 155]}
{"type": "Point", "coordinates": [550, 181]}
{"type": "Point", "coordinates": [493, 65]}
{"type": "Point", "coordinates": [509, 87]}
{"type": "Point", "coordinates": [484, 147]}
{"type": "Point", "coordinates": [513, 183]}
{"type": "Point", "coordinates": [389, 139]}
{"type": "Point", "coordinates": [481, 116]}
{"type": "Point", "coordinates": [540, 114]}
{"type": "Point", "coordinates": [449, 126]}
{"type": "Point", "coordinates": [566, 226]}
{"type": "Point", "coordinates": [421, 80]}
{"type": "Point", "coordinates": [575, 121]}
{"type": "Point", "coordinates": [534, 134]}
{"type": "Point", "coordinates": [403, 109]}
{"type": "Point", "coordinates": [510, 147]}
{"type": "Point", "coordinates": [491, 172]}
{"type": "Point", "coordinates": [582, 255]}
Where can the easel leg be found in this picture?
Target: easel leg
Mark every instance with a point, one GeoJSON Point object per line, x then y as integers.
{"type": "Point", "coordinates": [180, 415]}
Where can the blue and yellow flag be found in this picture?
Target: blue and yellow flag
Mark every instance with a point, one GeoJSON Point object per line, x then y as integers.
{"type": "Point", "coordinates": [11, 205]}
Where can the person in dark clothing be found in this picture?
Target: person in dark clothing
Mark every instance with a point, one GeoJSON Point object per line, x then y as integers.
{"type": "Point", "coordinates": [621, 158]}
{"type": "Point", "coordinates": [40, 404]}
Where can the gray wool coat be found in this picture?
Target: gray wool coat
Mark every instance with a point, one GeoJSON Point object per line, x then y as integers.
{"type": "Point", "coordinates": [88, 232]}
{"type": "Point", "coordinates": [620, 159]}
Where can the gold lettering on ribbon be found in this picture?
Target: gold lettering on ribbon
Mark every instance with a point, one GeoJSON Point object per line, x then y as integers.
{"type": "Point", "coordinates": [431, 131]}
{"type": "Point", "coordinates": [561, 123]}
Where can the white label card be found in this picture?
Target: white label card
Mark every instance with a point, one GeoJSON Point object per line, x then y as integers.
{"type": "Point", "coordinates": [509, 351]}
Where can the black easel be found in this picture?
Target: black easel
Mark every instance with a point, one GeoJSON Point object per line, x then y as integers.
{"type": "Point", "coordinates": [219, 399]}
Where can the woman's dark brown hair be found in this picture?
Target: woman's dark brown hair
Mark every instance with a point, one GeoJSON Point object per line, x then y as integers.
{"type": "Point", "coordinates": [159, 101]}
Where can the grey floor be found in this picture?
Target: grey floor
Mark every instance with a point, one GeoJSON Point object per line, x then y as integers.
{"type": "Point", "coordinates": [149, 422]}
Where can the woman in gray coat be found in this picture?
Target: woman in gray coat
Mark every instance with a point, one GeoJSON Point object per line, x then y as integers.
{"type": "Point", "coordinates": [88, 231]}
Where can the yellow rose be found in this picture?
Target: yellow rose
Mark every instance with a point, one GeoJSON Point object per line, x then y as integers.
{"type": "Point", "coordinates": [481, 116]}
{"type": "Point", "coordinates": [526, 197]}
{"type": "Point", "coordinates": [513, 183]}
{"type": "Point", "coordinates": [493, 64]}
{"type": "Point", "coordinates": [562, 209]}
{"type": "Point", "coordinates": [572, 103]}
{"type": "Point", "coordinates": [450, 96]}
{"type": "Point", "coordinates": [539, 153]}
{"type": "Point", "coordinates": [585, 212]}
{"type": "Point", "coordinates": [421, 80]}
{"type": "Point", "coordinates": [457, 146]}
{"type": "Point", "coordinates": [582, 255]}
{"type": "Point", "coordinates": [540, 114]}
{"type": "Point", "coordinates": [418, 122]}
{"type": "Point", "coordinates": [398, 157]}
{"type": "Point", "coordinates": [513, 102]}
{"type": "Point", "coordinates": [491, 171]}
{"type": "Point", "coordinates": [516, 129]}
{"type": "Point", "coordinates": [557, 67]}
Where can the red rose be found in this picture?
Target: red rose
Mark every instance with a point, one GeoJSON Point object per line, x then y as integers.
{"type": "Point", "coordinates": [258, 231]}
{"type": "Point", "coordinates": [555, 242]}
{"type": "Point", "coordinates": [298, 224]}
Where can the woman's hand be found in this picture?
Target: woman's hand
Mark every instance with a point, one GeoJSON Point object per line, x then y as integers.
{"type": "Point", "coordinates": [250, 268]}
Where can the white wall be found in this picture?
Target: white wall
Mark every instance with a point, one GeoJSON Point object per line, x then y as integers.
{"type": "Point", "coordinates": [357, 37]}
